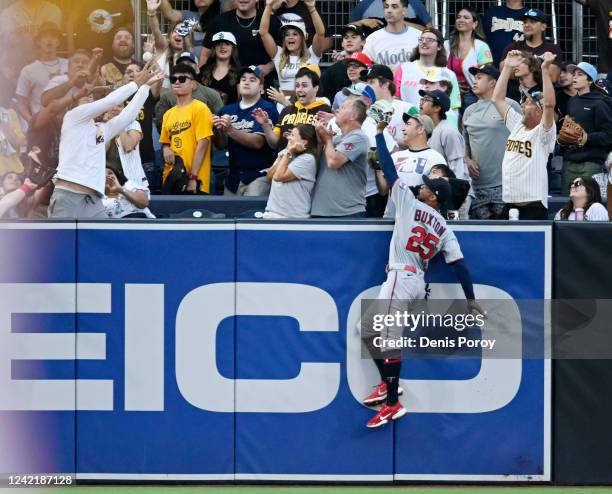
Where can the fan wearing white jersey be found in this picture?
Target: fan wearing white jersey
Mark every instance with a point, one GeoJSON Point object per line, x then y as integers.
{"type": "Point", "coordinates": [82, 154]}
{"type": "Point", "coordinates": [420, 233]}
{"type": "Point", "coordinates": [415, 160]}
{"type": "Point", "coordinates": [531, 140]}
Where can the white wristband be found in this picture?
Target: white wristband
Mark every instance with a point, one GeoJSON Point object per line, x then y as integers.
{"type": "Point", "coordinates": [147, 56]}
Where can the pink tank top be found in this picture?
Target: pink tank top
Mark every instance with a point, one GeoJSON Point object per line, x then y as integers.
{"type": "Point", "coordinates": [454, 63]}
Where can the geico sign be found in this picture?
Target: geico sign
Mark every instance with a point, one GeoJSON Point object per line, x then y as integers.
{"type": "Point", "coordinates": [199, 381]}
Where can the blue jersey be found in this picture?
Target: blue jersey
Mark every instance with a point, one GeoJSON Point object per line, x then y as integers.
{"type": "Point", "coordinates": [246, 164]}
{"type": "Point", "coordinates": [502, 26]}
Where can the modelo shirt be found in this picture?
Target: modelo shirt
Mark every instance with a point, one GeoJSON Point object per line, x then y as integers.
{"type": "Point", "coordinates": [341, 191]}
{"type": "Point", "coordinates": [293, 199]}
{"type": "Point", "coordinates": [391, 49]}
{"type": "Point", "coordinates": [486, 134]}
{"type": "Point", "coordinates": [246, 164]}
{"type": "Point", "coordinates": [502, 26]}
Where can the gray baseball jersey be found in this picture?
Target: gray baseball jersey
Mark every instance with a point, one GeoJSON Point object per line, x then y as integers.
{"type": "Point", "coordinates": [420, 232]}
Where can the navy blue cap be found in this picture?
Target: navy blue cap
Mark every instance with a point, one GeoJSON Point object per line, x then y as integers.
{"type": "Point", "coordinates": [489, 69]}
{"type": "Point", "coordinates": [440, 98]}
{"type": "Point", "coordinates": [442, 189]}
{"type": "Point", "coordinates": [536, 15]}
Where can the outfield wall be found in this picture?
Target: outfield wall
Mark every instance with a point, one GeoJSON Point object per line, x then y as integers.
{"type": "Point", "coordinates": [208, 351]}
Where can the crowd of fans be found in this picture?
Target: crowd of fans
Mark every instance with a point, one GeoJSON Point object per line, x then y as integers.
{"type": "Point", "coordinates": [89, 131]}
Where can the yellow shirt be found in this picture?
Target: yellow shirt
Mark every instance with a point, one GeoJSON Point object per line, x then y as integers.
{"type": "Point", "coordinates": [182, 128]}
{"type": "Point", "coordinates": [11, 162]}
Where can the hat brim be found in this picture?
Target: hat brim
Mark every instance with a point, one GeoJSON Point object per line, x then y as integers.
{"type": "Point", "coordinates": [537, 19]}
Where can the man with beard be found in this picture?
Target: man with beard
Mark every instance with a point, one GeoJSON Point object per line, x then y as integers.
{"type": "Point", "coordinates": [122, 55]}
{"type": "Point", "coordinates": [531, 140]}
{"type": "Point", "coordinates": [534, 26]}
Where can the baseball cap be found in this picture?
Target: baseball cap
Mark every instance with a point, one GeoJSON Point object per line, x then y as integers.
{"type": "Point", "coordinates": [568, 66]}
{"type": "Point", "coordinates": [441, 188]}
{"type": "Point", "coordinates": [360, 89]}
{"type": "Point", "coordinates": [293, 20]}
{"type": "Point", "coordinates": [488, 69]}
{"type": "Point", "coordinates": [377, 70]}
{"type": "Point", "coordinates": [250, 69]}
{"type": "Point", "coordinates": [440, 98]}
{"type": "Point", "coordinates": [436, 77]}
{"type": "Point", "coordinates": [353, 28]}
{"type": "Point", "coordinates": [359, 57]}
{"type": "Point", "coordinates": [536, 15]}
{"type": "Point", "coordinates": [187, 55]}
{"type": "Point", "coordinates": [48, 28]}
{"type": "Point", "coordinates": [313, 67]}
{"type": "Point", "coordinates": [588, 69]}
{"type": "Point", "coordinates": [225, 36]}
{"type": "Point", "coordinates": [424, 120]}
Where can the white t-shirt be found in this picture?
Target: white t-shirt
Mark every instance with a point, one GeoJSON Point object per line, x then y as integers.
{"type": "Point", "coordinates": [391, 49]}
{"type": "Point", "coordinates": [293, 199]}
{"type": "Point", "coordinates": [34, 78]}
{"type": "Point", "coordinates": [524, 176]}
{"type": "Point", "coordinates": [286, 77]}
{"type": "Point", "coordinates": [82, 153]}
{"type": "Point", "coordinates": [411, 166]}
{"type": "Point", "coordinates": [119, 206]}
{"type": "Point", "coordinates": [595, 213]}
{"type": "Point", "coordinates": [420, 231]}
{"type": "Point", "coordinates": [408, 77]}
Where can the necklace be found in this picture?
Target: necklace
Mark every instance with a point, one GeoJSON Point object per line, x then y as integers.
{"type": "Point", "coordinates": [248, 25]}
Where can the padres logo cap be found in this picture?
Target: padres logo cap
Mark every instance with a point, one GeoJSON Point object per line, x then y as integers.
{"type": "Point", "coordinates": [225, 36]}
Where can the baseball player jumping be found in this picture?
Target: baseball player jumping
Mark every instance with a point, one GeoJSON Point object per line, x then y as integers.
{"type": "Point", "coordinates": [420, 233]}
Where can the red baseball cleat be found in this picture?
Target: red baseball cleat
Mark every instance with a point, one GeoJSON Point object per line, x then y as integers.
{"type": "Point", "coordinates": [386, 414]}
{"type": "Point", "coordinates": [379, 395]}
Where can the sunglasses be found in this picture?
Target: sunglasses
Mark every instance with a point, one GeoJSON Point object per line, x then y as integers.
{"type": "Point", "coordinates": [577, 183]}
{"type": "Point", "coordinates": [180, 78]}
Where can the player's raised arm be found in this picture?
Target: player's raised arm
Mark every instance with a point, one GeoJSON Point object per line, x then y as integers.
{"type": "Point", "coordinates": [384, 158]}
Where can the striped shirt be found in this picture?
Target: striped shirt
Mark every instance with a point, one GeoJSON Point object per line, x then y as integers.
{"type": "Point", "coordinates": [524, 177]}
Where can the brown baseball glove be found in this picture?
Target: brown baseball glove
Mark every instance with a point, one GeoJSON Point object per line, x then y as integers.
{"type": "Point", "coordinates": [571, 133]}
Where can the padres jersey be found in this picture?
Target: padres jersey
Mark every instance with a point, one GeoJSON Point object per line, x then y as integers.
{"type": "Point", "coordinates": [420, 232]}
{"type": "Point", "coordinates": [524, 177]}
